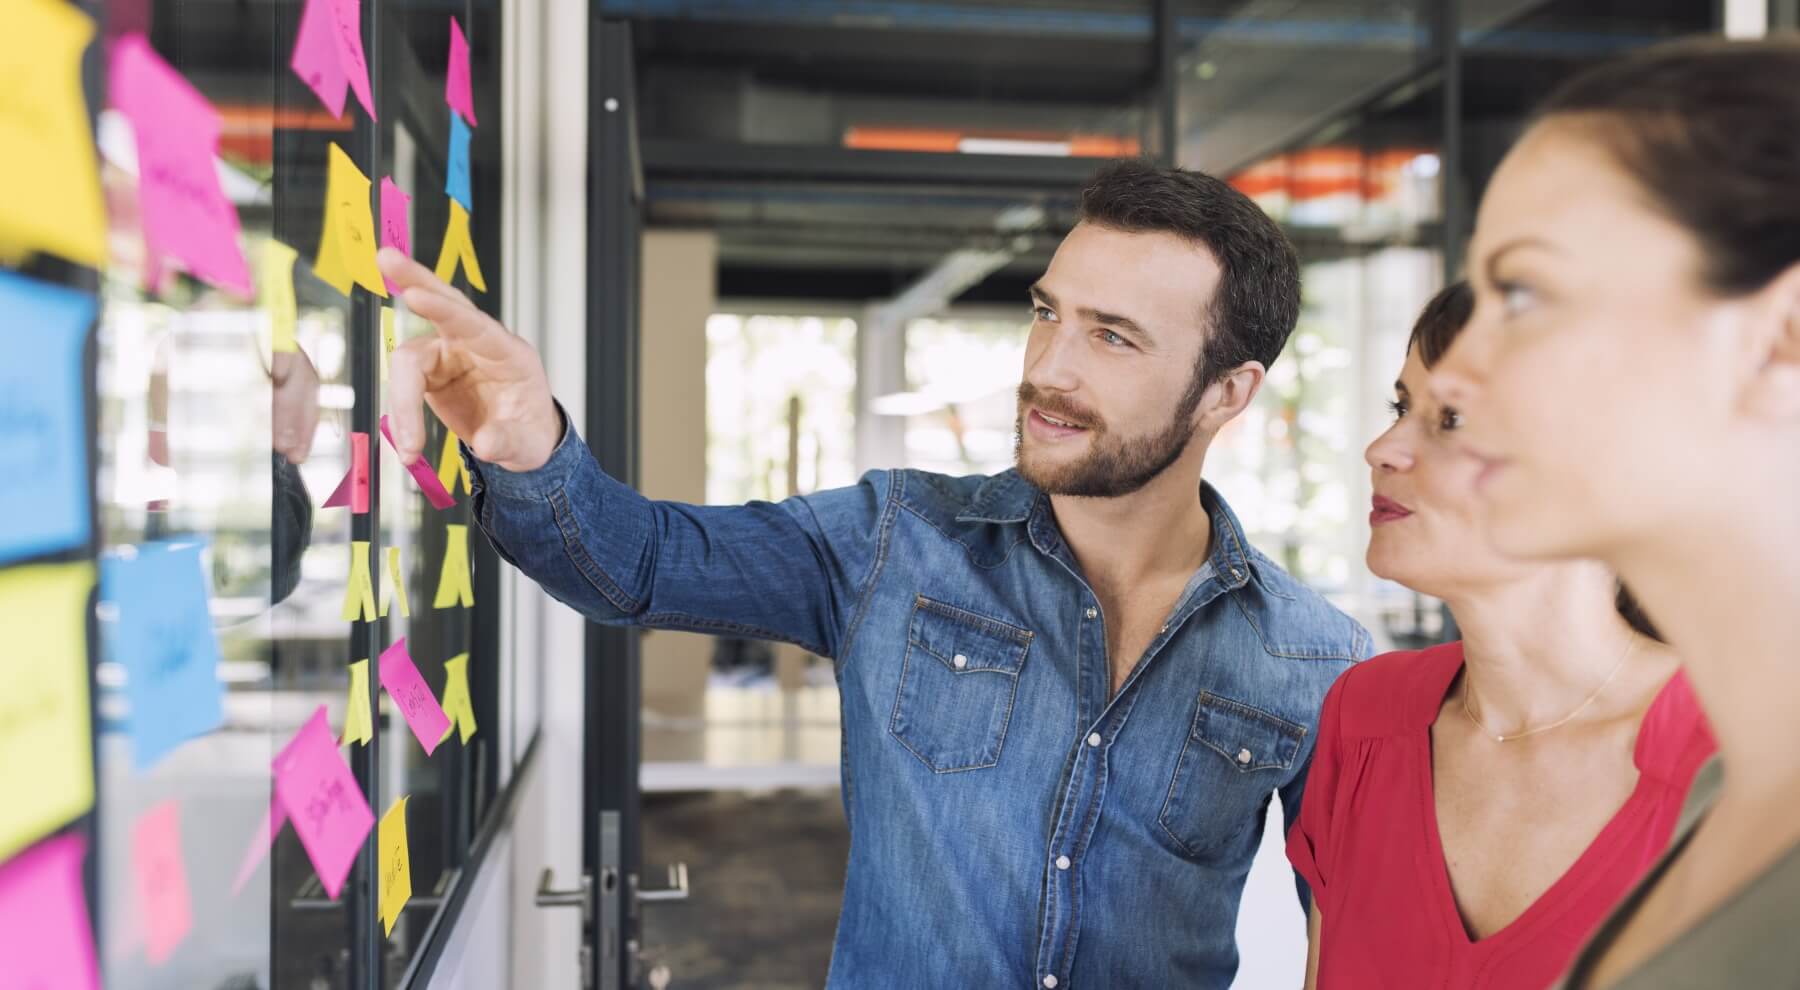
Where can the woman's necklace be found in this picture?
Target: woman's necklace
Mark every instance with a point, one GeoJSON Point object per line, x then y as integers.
{"type": "Point", "coordinates": [1469, 689]}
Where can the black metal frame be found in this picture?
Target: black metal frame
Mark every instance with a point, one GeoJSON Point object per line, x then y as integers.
{"type": "Point", "coordinates": [610, 751]}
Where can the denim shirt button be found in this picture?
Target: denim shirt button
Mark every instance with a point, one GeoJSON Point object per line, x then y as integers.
{"type": "Point", "coordinates": [1094, 739]}
{"type": "Point", "coordinates": [1093, 613]}
{"type": "Point", "coordinates": [1050, 982]}
{"type": "Point", "coordinates": [1062, 862]}
{"type": "Point", "coordinates": [1243, 756]}
{"type": "Point", "coordinates": [960, 661]}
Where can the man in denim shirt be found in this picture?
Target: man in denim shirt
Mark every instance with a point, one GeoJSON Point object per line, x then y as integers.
{"type": "Point", "coordinates": [1068, 690]}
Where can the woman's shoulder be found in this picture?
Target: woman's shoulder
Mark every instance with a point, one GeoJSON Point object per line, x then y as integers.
{"type": "Point", "coordinates": [1674, 738]}
{"type": "Point", "coordinates": [1395, 694]}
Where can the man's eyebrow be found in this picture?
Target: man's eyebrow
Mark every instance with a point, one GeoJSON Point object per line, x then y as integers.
{"type": "Point", "coordinates": [1124, 324]}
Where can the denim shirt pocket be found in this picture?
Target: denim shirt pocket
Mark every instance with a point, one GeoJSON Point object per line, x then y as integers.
{"type": "Point", "coordinates": [957, 685]}
{"type": "Point", "coordinates": [1234, 756]}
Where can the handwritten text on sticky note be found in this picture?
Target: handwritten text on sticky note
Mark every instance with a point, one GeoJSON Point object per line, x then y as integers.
{"type": "Point", "coordinates": [186, 214]}
{"type": "Point", "coordinates": [323, 801]}
{"type": "Point", "coordinates": [328, 54]}
{"type": "Point", "coordinates": [395, 864]}
{"type": "Point", "coordinates": [407, 688]}
{"type": "Point", "coordinates": [44, 491]}
{"type": "Point", "coordinates": [157, 624]}
{"type": "Point", "coordinates": [46, 755]}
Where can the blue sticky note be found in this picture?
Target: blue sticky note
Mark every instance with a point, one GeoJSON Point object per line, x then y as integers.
{"type": "Point", "coordinates": [456, 181]}
{"type": "Point", "coordinates": [158, 626]}
{"type": "Point", "coordinates": [44, 495]}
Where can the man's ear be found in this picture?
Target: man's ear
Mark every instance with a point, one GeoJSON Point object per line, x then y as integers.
{"type": "Point", "coordinates": [1224, 399]}
{"type": "Point", "coordinates": [1772, 390]}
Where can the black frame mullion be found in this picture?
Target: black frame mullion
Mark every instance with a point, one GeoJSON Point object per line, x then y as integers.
{"type": "Point", "coordinates": [367, 941]}
{"type": "Point", "coordinates": [611, 750]}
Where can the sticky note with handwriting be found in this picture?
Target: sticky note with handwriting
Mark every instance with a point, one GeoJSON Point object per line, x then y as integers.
{"type": "Point", "coordinates": [49, 177]}
{"type": "Point", "coordinates": [328, 54]}
{"type": "Point", "coordinates": [407, 688]}
{"type": "Point", "coordinates": [186, 214]}
{"type": "Point", "coordinates": [46, 754]}
{"type": "Point", "coordinates": [156, 622]}
{"type": "Point", "coordinates": [394, 863]}
{"type": "Point", "coordinates": [43, 420]}
{"type": "Point", "coordinates": [322, 799]}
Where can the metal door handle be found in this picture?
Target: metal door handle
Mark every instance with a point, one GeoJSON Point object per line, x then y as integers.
{"type": "Point", "coordinates": [583, 897]}
{"type": "Point", "coordinates": [677, 890]}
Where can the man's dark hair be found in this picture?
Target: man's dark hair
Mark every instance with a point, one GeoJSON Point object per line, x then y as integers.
{"type": "Point", "coordinates": [1257, 301]}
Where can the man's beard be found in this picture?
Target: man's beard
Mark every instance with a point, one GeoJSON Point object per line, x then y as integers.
{"type": "Point", "coordinates": [1113, 467]}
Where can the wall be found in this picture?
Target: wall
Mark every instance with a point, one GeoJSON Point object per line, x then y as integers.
{"type": "Point", "coordinates": [679, 294]}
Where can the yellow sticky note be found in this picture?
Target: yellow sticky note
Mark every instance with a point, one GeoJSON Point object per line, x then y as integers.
{"type": "Point", "coordinates": [453, 581]}
{"type": "Point", "coordinates": [388, 338]}
{"type": "Point", "coordinates": [358, 727]}
{"type": "Point", "coordinates": [393, 863]}
{"type": "Point", "coordinates": [276, 275]}
{"type": "Point", "coordinates": [46, 759]}
{"type": "Point", "coordinates": [459, 247]}
{"type": "Point", "coordinates": [457, 703]}
{"type": "Point", "coordinates": [451, 466]}
{"type": "Point", "coordinates": [396, 584]}
{"type": "Point", "coordinates": [49, 175]}
{"type": "Point", "coordinates": [347, 245]}
{"type": "Point", "coordinates": [359, 593]}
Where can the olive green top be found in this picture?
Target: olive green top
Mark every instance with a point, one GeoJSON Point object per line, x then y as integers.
{"type": "Point", "coordinates": [1752, 939]}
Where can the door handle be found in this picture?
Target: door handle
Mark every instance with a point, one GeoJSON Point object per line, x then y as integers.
{"type": "Point", "coordinates": [582, 897]}
{"type": "Point", "coordinates": [677, 890]}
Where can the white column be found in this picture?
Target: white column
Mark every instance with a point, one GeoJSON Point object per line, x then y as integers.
{"type": "Point", "coordinates": [880, 370]}
{"type": "Point", "coordinates": [1746, 18]}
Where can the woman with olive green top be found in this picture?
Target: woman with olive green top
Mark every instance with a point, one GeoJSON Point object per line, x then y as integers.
{"type": "Point", "coordinates": [1631, 382]}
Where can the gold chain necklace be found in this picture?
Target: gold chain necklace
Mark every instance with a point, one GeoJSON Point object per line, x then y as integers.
{"type": "Point", "coordinates": [1469, 689]}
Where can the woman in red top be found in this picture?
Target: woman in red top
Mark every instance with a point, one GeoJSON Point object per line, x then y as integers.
{"type": "Point", "coordinates": [1474, 809]}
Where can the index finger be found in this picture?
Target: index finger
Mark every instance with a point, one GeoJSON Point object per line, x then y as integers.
{"type": "Point", "coordinates": [407, 273]}
{"type": "Point", "coordinates": [409, 370]}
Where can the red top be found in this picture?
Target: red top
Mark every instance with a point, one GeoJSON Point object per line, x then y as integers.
{"type": "Point", "coordinates": [1367, 838]}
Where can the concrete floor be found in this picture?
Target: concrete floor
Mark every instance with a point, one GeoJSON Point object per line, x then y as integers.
{"type": "Point", "coordinates": [767, 875]}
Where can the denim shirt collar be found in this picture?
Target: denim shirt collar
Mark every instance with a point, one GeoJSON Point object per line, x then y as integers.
{"type": "Point", "coordinates": [1007, 498]}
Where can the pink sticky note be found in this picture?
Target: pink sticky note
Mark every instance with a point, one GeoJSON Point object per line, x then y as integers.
{"type": "Point", "coordinates": [162, 886]}
{"type": "Point", "coordinates": [434, 490]}
{"type": "Point", "coordinates": [323, 800]}
{"type": "Point", "coordinates": [328, 54]}
{"type": "Point", "coordinates": [420, 707]}
{"type": "Point", "coordinates": [186, 214]}
{"type": "Point", "coordinates": [458, 92]}
{"type": "Point", "coordinates": [353, 491]}
{"type": "Point", "coordinates": [315, 58]}
{"type": "Point", "coordinates": [394, 203]}
{"type": "Point", "coordinates": [260, 841]}
{"type": "Point", "coordinates": [44, 933]}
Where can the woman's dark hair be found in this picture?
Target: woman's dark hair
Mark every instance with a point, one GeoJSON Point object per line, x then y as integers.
{"type": "Point", "coordinates": [1442, 320]}
{"type": "Point", "coordinates": [1438, 326]}
{"type": "Point", "coordinates": [1710, 129]}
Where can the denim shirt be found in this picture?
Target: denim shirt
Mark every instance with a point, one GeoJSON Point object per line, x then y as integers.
{"type": "Point", "coordinates": [1012, 822]}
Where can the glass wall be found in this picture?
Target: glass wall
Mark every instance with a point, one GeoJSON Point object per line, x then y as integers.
{"type": "Point", "coordinates": [223, 432]}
